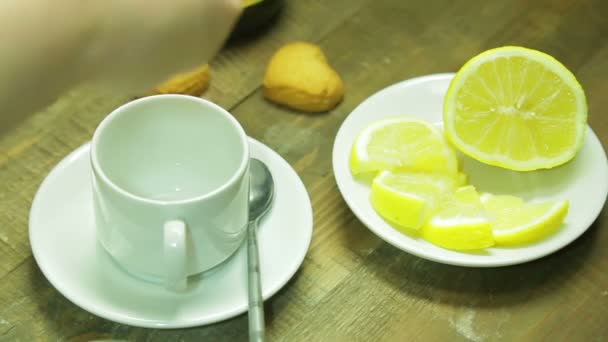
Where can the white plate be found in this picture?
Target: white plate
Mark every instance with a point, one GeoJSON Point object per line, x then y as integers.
{"type": "Point", "coordinates": [62, 236]}
{"type": "Point", "coordinates": [584, 180]}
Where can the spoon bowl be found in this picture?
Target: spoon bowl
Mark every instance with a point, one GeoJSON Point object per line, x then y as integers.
{"type": "Point", "coordinates": [261, 189]}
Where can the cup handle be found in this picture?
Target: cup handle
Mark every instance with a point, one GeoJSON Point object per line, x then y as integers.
{"type": "Point", "coordinates": [176, 274]}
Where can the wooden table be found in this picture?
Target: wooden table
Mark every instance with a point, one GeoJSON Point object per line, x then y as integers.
{"type": "Point", "coordinates": [352, 285]}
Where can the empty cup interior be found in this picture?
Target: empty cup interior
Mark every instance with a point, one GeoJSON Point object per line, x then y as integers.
{"type": "Point", "coordinates": [170, 148]}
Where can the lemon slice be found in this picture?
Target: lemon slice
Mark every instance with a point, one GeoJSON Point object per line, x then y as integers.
{"type": "Point", "coordinates": [407, 200]}
{"type": "Point", "coordinates": [515, 222]}
{"type": "Point", "coordinates": [516, 108]}
{"type": "Point", "coordinates": [460, 223]}
{"type": "Point", "coordinates": [402, 144]}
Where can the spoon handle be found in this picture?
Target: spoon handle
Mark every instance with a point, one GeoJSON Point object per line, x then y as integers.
{"type": "Point", "coordinates": [256, 303]}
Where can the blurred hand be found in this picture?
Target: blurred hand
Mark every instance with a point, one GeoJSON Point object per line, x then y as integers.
{"type": "Point", "coordinates": [139, 43]}
{"type": "Point", "coordinates": [127, 46]}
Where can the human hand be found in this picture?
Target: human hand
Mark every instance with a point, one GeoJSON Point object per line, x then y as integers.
{"type": "Point", "coordinates": [138, 43]}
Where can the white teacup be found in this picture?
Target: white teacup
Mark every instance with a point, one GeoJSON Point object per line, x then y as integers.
{"type": "Point", "coordinates": [170, 185]}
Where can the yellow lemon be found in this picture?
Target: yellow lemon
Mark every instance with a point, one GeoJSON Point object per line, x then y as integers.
{"type": "Point", "coordinates": [402, 144]}
{"type": "Point", "coordinates": [516, 108]}
{"type": "Point", "coordinates": [460, 223]}
{"type": "Point", "coordinates": [407, 200]}
{"type": "Point", "coordinates": [515, 222]}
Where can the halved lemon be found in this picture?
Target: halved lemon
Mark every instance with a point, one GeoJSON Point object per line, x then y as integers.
{"type": "Point", "coordinates": [402, 144]}
{"type": "Point", "coordinates": [460, 223]}
{"type": "Point", "coordinates": [407, 200]}
{"type": "Point", "coordinates": [516, 108]}
{"type": "Point", "coordinates": [515, 222]}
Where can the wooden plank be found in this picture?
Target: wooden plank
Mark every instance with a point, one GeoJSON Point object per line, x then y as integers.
{"type": "Point", "coordinates": [237, 72]}
{"type": "Point", "coordinates": [36, 143]}
{"type": "Point", "coordinates": [240, 67]}
{"type": "Point", "coordinates": [352, 286]}
{"type": "Point", "coordinates": [402, 51]}
{"type": "Point", "coordinates": [383, 56]}
{"type": "Point", "coordinates": [32, 147]}
{"type": "Point", "coordinates": [592, 76]}
{"type": "Point", "coordinates": [29, 152]}
{"type": "Point", "coordinates": [394, 296]}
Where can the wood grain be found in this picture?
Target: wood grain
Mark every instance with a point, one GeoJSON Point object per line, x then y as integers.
{"type": "Point", "coordinates": [352, 285]}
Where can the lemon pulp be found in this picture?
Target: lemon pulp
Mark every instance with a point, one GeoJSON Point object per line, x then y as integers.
{"type": "Point", "coordinates": [516, 108]}
{"type": "Point", "coordinates": [402, 144]}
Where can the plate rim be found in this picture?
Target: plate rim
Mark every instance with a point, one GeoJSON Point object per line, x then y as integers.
{"type": "Point", "coordinates": [475, 262]}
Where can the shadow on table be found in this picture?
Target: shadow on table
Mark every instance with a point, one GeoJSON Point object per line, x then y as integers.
{"type": "Point", "coordinates": [480, 286]}
{"type": "Point", "coordinates": [255, 22]}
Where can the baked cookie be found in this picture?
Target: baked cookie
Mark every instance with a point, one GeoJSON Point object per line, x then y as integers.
{"type": "Point", "coordinates": [300, 77]}
{"type": "Point", "coordinates": [193, 82]}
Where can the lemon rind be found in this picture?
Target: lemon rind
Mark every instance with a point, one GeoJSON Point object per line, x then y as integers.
{"type": "Point", "coordinates": [496, 160]}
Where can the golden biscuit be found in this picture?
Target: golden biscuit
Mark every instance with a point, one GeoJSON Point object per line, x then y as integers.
{"type": "Point", "coordinates": [194, 82]}
{"type": "Point", "coordinates": [299, 76]}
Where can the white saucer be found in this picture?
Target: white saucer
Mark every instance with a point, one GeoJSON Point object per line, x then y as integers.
{"type": "Point", "coordinates": [62, 236]}
{"type": "Point", "coordinates": [584, 180]}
